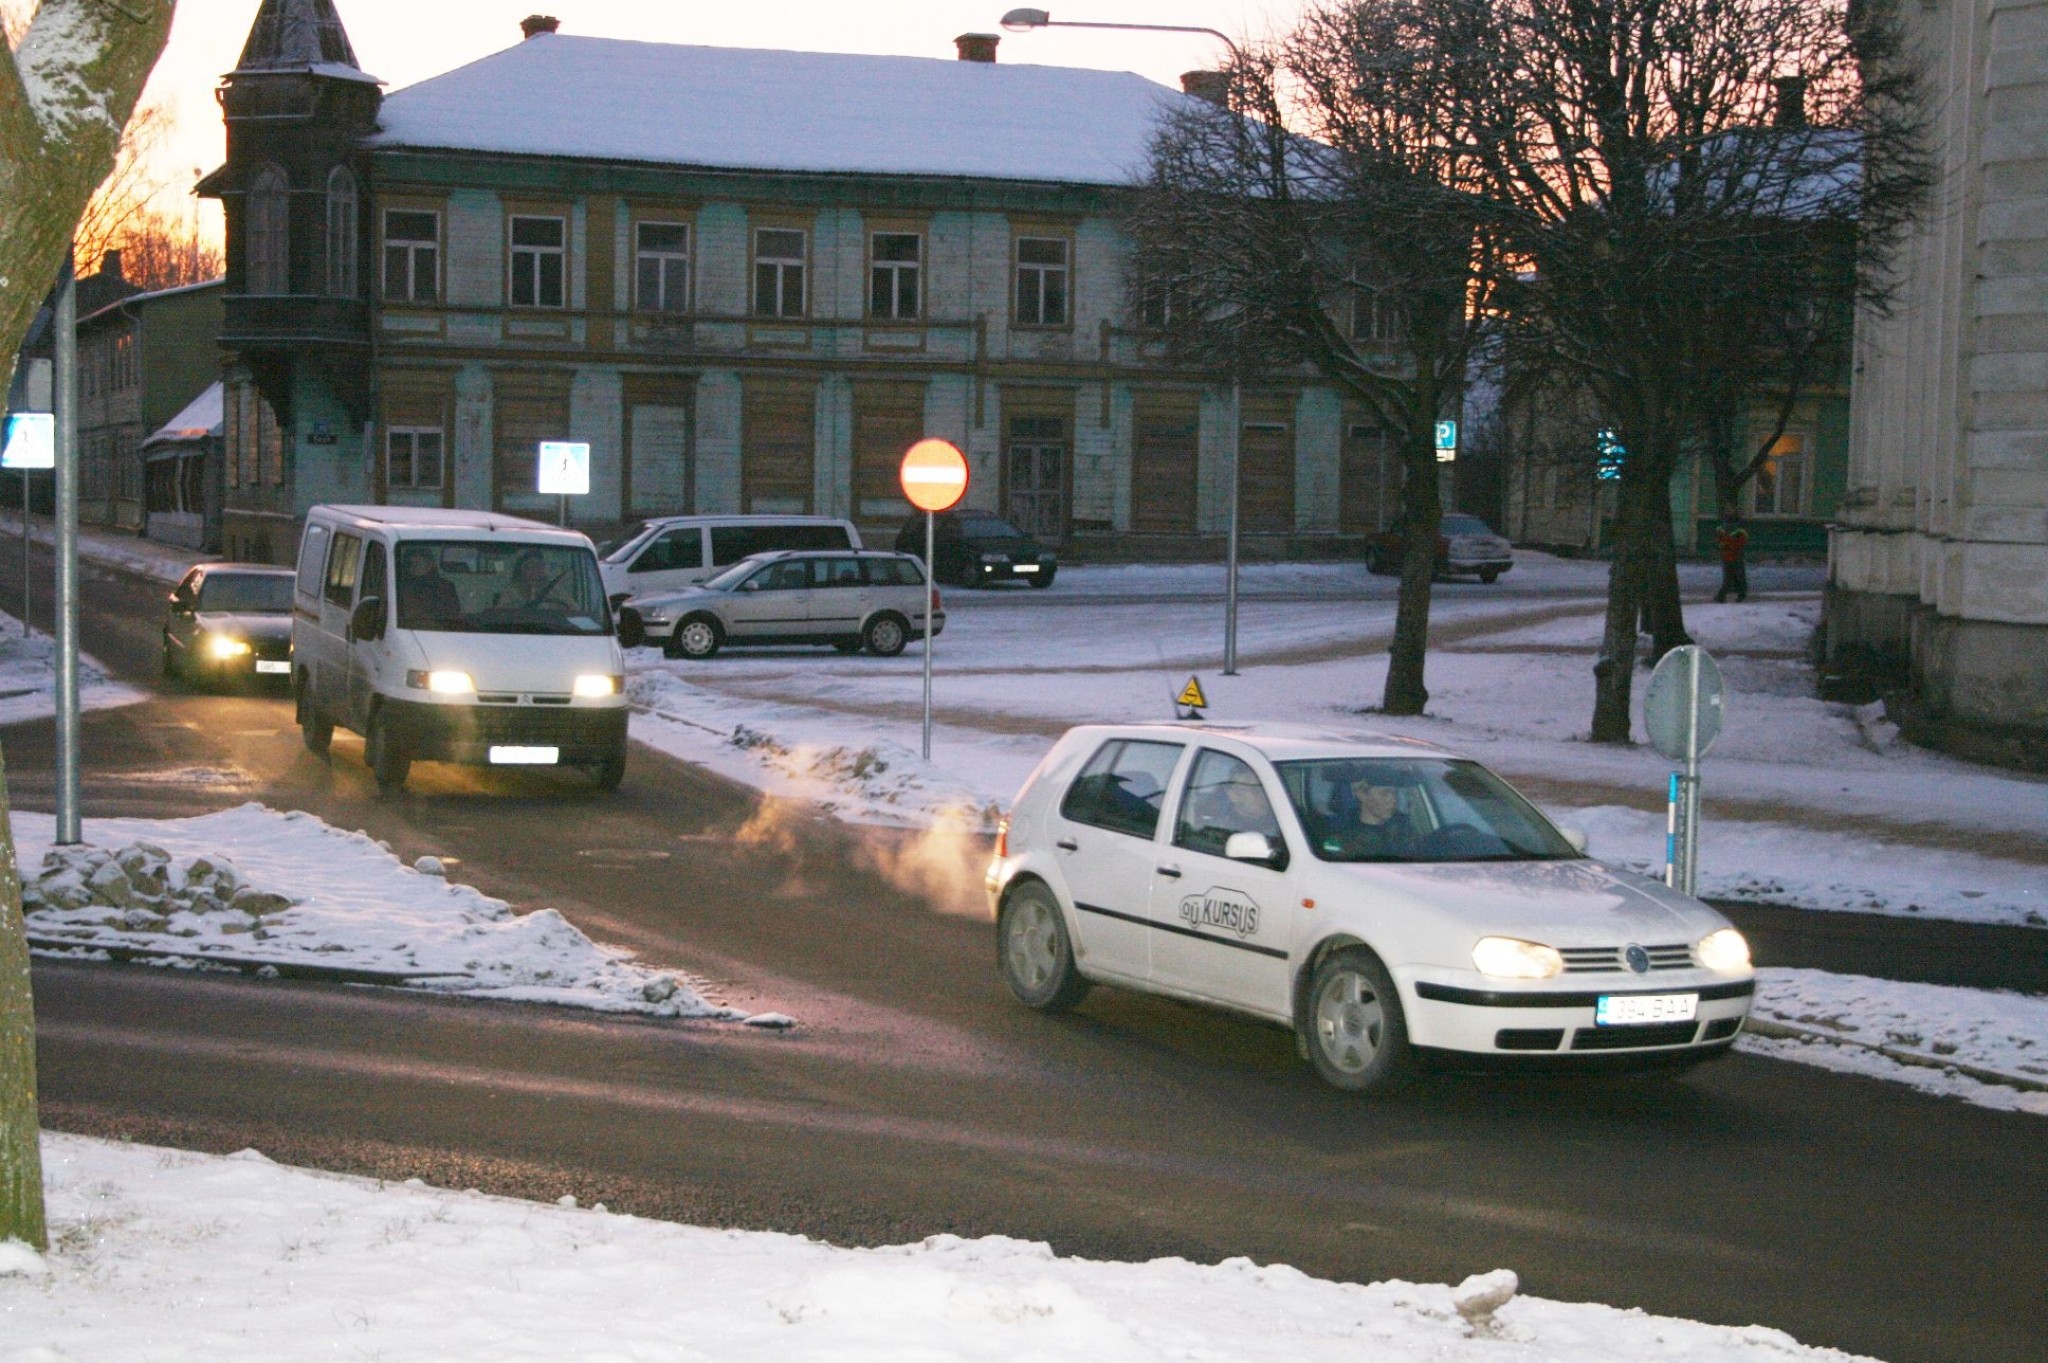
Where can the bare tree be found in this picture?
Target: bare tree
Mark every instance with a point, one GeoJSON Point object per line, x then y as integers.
{"type": "Point", "coordinates": [131, 188]}
{"type": "Point", "coordinates": [1665, 208]}
{"type": "Point", "coordinates": [1316, 223]}
{"type": "Point", "coordinates": [67, 86]}
{"type": "Point", "coordinates": [160, 250]}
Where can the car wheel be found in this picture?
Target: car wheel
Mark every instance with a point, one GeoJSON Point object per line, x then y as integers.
{"type": "Point", "coordinates": [388, 762]}
{"type": "Point", "coordinates": [314, 726]}
{"type": "Point", "coordinates": [632, 629]}
{"type": "Point", "coordinates": [885, 635]}
{"type": "Point", "coordinates": [1489, 575]}
{"type": "Point", "coordinates": [1035, 953]}
{"type": "Point", "coordinates": [1357, 1036]}
{"type": "Point", "coordinates": [1040, 581]}
{"type": "Point", "coordinates": [609, 771]}
{"type": "Point", "coordinates": [696, 637]}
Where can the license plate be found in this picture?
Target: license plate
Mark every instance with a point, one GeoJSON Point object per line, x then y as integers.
{"type": "Point", "coordinates": [1025, 568]}
{"type": "Point", "coordinates": [505, 756]}
{"type": "Point", "coordinates": [1612, 1010]}
{"type": "Point", "coordinates": [266, 665]}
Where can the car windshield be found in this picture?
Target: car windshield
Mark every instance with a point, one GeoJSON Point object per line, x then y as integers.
{"type": "Point", "coordinates": [731, 577]}
{"type": "Point", "coordinates": [1406, 809]}
{"type": "Point", "coordinates": [619, 550]}
{"type": "Point", "coordinates": [1465, 525]}
{"type": "Point", "coordinates": [500, 587]}
{"type": "Point", "coordinates": [988, 528]}
{"type": "Point", "coordinates": [247, 593]}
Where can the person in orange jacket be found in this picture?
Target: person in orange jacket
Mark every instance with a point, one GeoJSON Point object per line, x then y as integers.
{"type": "Point", "coordinates": [1733, 542]}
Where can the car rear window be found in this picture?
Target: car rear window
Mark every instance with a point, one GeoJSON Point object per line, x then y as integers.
{"type": "Point", "coordinates": [1465, 525]}
{"type": "Point", "coordinates": [1123, 787]}
{"type": "Point", "coordinates": [893, 572]}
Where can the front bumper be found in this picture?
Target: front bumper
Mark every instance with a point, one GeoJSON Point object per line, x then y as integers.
{"type": "Point", "coordinates": [1555, 1027]}
{"type": "Point", "coordinates": [1013, 572]}
{"type": "Point", "coordinates": [583, 734]}
{"type": "Point", "coordinates": [1478, 565]}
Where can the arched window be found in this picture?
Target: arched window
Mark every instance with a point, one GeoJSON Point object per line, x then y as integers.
{"type": "Point", "coordinates": [269, 211]}
{"type": "Point", "coordinates": [341, 233]}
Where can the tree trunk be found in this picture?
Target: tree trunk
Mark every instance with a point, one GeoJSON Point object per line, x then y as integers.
{"type": "Point", "coordinates": [21, 1165]}
{"type": "Point", "coordinates": [1421, 517]}
{"type": "Point", "coordinates": [1627, 579]}
{"type": "Point", "coordinates": [1663, 612]}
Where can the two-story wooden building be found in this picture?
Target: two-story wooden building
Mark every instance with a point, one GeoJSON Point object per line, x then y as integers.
{"type": "Point", "coordinates": [748, 279]}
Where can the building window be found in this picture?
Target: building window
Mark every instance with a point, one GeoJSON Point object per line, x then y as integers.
{"type": "Point", "coordinates": [1377, 316]}
{"type": "Point", "coordinates": [412, 457]}
{"type": "Point", "coordinates": [662, 278]}
{"type": "Point", "coordinates": [1779, 488]}
{"type": "Point", "coordinates": [1042, 281]}
{"type": "Point", "coordinates": [895, 275]}
{"type": "Point", "coordinates": [540, 258]}
{"type": "Point", "coordinates": [124, 362]}
{"type": "Point", "coordinates": [778, 272]}
{"type": "Point", "coordinates": [341, 233]}
{"type": "Point", "coordinates": [412, 255]}
{"type": "Point", "coordinates": [269, 212]}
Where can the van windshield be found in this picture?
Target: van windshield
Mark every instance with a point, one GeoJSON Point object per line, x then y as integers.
{"type": "Point", "coordinates": [499, 587]}
{"type": "Point", "coordinates": [619, 550]}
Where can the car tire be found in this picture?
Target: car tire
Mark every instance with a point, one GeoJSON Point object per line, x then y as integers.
{"type": "Point", "coordinates": [1352, 1021]}
{"type": "Point", "coordinates": [632, 629]}
{"type": "Point", "coordinates": [387, 761]}
{"type": "Point", "coordinates": [1035, 953]}
{"type": "Point", "coordinates": [1040, 581]}
{"type": "Point", "coordinates": [1376, 562]}
{"type": "Point", "coordinates": [695, 636]}
{"type": "Point", "coordinates": [1489, 575]}
{"type": "Point", "coordinates": [314, 726]}
{"type": "Point", "coordinates": [608, 771]}
{"type": "Point", "coordinates": [886, 635]}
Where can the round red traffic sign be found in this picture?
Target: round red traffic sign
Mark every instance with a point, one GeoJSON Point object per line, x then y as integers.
{"type": "Point", "coordinates": [934, 475]}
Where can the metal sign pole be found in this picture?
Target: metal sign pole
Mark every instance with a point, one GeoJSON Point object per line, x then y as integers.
{"type": "Point", "coordinates": [1691, 812]}
{"type": "Point", "coordinates": [931, 592]}
{"type": "Point", "coordinates": [26, 629]}
{"type": "Point", "coordinates": [66, 622]}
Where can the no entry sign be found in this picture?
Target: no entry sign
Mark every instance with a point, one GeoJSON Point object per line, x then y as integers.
{"type": "Point", "coordinates": [934, 475]}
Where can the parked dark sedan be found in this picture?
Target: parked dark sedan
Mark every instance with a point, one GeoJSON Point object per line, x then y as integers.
{"type": "Point", "coordinates": [230, 621]}
{"type": "Point", "coordinates": [1464, 544]}
{"type": "Point", "coordinates": [975, 548]}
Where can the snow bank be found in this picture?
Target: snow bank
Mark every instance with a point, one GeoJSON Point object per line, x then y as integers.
{"type": "Point", "coordinates": [168, 1255]}
{"type": "Point", "coordinates": [28, 678]}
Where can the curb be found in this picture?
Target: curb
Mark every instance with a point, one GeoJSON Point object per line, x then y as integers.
{"type": "Point", "coordinates": [1786, 1031]}
{"type": "Point", "coordinates": [246, 965]}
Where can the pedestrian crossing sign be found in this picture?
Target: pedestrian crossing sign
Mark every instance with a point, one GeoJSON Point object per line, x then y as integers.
{"type": "Point", "coordinates": [1191, 698]}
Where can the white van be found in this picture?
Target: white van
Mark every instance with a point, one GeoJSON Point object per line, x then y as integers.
{"type": "Point", "coordinates": [670, 553]}
{"type": "Point", "coordinates": [456, 636]}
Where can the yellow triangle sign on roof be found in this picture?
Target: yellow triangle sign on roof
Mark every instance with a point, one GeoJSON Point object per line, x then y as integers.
{"type": "Point", "coordinates": [1191, 695]}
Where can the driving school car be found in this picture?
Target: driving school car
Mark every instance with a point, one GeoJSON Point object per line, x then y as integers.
{"type": "Point", "coordinates": [1392, 902]}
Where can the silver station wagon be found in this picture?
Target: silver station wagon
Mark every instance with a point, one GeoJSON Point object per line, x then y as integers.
{"type": "Point", "coordinates": [846, 598]}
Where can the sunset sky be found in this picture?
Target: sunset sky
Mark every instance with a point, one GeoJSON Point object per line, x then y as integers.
{"type": "Point", "coordinates": [406, 41]}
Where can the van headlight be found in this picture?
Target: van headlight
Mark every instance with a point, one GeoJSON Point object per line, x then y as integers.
{"type": "Point", "coordinates": [1725, 950]}
{"type": "Point", "coordinates": [442, 683]}
{"type": "Point", "coordinates": [1510, 958]}
{"type": "Point", "coordinates": [220, 646]}
{"type": "Point", "coordinates": [592, 685]}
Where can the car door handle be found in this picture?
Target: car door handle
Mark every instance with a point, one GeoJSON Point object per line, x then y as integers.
{"type": "Point", "coordinates": [1170, 872]}
{"type": "Point", "coordinates": [1067, 845]}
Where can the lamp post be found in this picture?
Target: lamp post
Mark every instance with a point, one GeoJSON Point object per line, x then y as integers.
{"type": "Point", "coordinates": [1024, 21]}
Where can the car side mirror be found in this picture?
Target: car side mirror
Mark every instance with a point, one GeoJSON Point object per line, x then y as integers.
{"type": "Point", "coordinates": [367, 620]}
{"type": "Point", "coordinates": [1252, 847]}
{"type": "Point", "coordinates": [1575, 836]}
{"type": "Point", "coordinates": [750, 586]}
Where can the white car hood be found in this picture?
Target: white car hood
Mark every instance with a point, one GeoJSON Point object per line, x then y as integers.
{"type": "Point", "coordinates": [545, 663]}
{"type": "Point", "coordinates": [679, 600]}
{"type": "Point", "coordinates": [1578, 903]}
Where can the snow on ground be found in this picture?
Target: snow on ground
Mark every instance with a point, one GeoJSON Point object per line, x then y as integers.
{"type": "Point", "coordinates": [261, 888]}
{"type": "Point", "coordinates": [170, 1255]}
{"type": "Point", "coordinates": [28, 678]}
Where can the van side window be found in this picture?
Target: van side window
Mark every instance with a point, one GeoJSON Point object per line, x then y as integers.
{"type": "Point", "coordinates": [731, 543]}
{"type": "Point", "coordinates": [312, 560]}
{"type": "Point", "coordinates": [341, 569]}
{"type": "Point", "coordinates": [676, 549]}
{"type": "Point", "coordinates": [1123, 787]}
{"type": "Point", "coordinates": [806, 537]}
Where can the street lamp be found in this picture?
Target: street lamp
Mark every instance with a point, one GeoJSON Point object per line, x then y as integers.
{"type": "Point", "coordinates": [1024, 21]}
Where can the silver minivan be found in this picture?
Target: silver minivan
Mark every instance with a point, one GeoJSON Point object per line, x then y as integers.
{"type": "Point", "coordinates": [669, 553]}
{"type": "Point", "coordinates": [850, 600]}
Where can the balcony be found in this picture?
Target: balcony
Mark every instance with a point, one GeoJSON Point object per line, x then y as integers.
{"type": "Point", "coordinates": [279, 321]}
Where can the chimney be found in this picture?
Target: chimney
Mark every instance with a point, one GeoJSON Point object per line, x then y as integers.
{"type": "Point", "coordinates": [1791, 109]}
{"type": "Point", "coordinates": [1213, 86]}
{"type": "Point", "coordinates": [977, 47]}
{"type": "Point", "coordinates": [533, 25]}
{"type": "Point", "coordinates": [110, 265]}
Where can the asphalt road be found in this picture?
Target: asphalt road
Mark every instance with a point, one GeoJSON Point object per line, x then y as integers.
{"type": "Point", "coordinates": [916, 1098]}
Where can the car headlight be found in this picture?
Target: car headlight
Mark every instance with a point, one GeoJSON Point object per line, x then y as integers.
{"type": "Point", "coordinates": [591, 685]}
{"type": "Point", "coordinates": [441, 683]}
{"type": "Point", "coordinates": [1724, 950]}
{"type": "Point", "coordinates": [653, 615]}
{"type": "Point", "coordinates": [222, 647]}
{"type": "Point", "coordinates": [1509, 958]}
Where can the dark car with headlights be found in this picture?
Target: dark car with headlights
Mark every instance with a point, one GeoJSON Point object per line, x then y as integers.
{"type": "Point", "coordinates": [975, 548]}
{"type": "Point", "coordinates": [1465, 546]}
{"type": "Point", "coordinates": [230, 622]}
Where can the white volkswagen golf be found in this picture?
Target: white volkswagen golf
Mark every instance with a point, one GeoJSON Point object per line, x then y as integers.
{"type": "Point", "coordinates": [1394, 903]}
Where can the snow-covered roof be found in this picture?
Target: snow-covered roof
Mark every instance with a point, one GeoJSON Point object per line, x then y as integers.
{"type": "Point", "coordinates": [151, 295]}
{"type": "Point", "coordinates": [740, 109]}
{"type": "Point", "coordinates": [202, 417]}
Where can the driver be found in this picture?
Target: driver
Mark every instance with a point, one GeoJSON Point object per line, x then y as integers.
{"type": "Point", "coordinates": [532, 585]}
{"type": "Point", "coordinates": [1379, 828]}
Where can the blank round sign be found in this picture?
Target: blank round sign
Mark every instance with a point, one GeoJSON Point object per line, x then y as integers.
{"type": "Point", "coordinates": [934, 475]}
